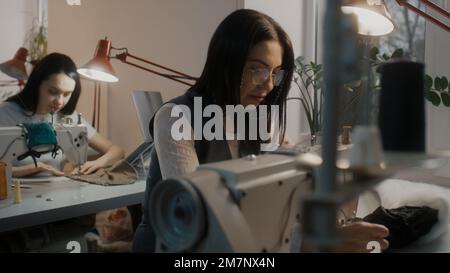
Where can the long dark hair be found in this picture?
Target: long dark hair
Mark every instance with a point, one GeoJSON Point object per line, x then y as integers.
{"type": "Point", "coordinates": [53, 63]}
{"type": "Point", "coordinates": [228, 50]}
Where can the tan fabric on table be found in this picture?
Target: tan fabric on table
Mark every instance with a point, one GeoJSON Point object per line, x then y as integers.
{"type": "Point", "coordinates": [121, 173]}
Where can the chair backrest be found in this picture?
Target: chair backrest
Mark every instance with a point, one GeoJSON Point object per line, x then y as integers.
{"type": "Point", "coordinates": [146, 104]}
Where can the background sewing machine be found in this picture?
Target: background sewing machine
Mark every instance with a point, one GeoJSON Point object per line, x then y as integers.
{"type": "Point", "coordinates": [48, 200]}
{"type": "Point", "coordinates": [71, 138]}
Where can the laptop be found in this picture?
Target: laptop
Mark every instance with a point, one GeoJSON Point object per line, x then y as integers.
{"type": "Point", "coordinates": [146, 104]}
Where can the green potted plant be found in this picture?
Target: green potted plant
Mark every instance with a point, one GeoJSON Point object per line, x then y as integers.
{"type": "Point", "coordinates": [309, 79]}
{"type": "Point", "coordinates": [37, 43]}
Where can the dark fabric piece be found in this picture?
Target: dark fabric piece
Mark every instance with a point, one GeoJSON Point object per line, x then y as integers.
{"type": "Point", "coordinates": [406, 224]}
{"type": "Point", "coordinates": [207, 152]}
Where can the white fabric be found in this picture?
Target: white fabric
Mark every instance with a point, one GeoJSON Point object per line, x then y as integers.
{"type": "Point", "coordinates": [12, 114]}
{"type": "Point", "coordinates": [394, 193]}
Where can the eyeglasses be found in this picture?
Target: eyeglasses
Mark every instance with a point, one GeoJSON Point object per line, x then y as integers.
{"type": "Point", "coordinates": [261, 75]}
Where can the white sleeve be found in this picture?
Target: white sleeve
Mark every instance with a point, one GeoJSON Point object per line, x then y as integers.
{"type": "Point", "coordinates": [176, 157]}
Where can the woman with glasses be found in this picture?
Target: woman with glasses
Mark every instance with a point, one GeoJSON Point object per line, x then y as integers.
{"type": "Point", "coordinates": [250, 63]}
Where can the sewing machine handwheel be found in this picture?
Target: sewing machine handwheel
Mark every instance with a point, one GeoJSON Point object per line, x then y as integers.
{"type": "Point", "coordinates": [177, 214]}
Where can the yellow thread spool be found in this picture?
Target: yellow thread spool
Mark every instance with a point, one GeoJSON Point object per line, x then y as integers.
{"type": "Point", "coordinates": [18, 193]}
{"type": "Point", "coordinates": [3, 181]}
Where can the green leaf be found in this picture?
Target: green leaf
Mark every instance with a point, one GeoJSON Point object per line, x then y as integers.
{"type": "Point", "coordinates": [374, 51]}
{"type": "Point", "coordinates": [444, 83]}
{"type": "Point", "coordinates": [315, 67]}
{"type": "Point", "coordinates": [318, 76]}
{"type": "Point", "coordinates": [428, 83]}
{"type": "Point", "coordinates": [437, 84]}
{"type": "Point", "coordinates": [445, 99]}
{"type": "Point", "coordinates": [434, 98]}
{"type": "Point", "coordinates": [386, 57]}
{"type": "Point", "coordinates": [306, 69]}
{"type": "Point", "coordinates": [299, 63]}
{"type": "Point", "coordinates": [319, 68]}
{"type": "Point", "coordinates": [300, 59]}
{"type": "Point", "coordinates": [309, 80]}
{"type": "Point", "coordinates": [398, 53]}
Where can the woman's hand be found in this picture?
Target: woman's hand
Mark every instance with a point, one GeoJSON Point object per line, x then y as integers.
{"type": "Point", "coordinates": [355, 238]}
{"type": "Point", "coordinates": [90, 167]}
{"type": "Point", "coordinates": [110, 154]}
{"type": "Point", "coordinates": [31, 169]}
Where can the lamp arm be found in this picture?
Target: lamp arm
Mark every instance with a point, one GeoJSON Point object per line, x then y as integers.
{"type": "Point", "coordinates": [446, 14]}
{"type": "Point", "coordinates": [436, 8]}
{"type": "Point", "coordinates": [123, 58]}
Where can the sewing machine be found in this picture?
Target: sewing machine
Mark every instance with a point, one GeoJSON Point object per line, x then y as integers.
{"type": "Point", "coordinates": [251, 205]}
{"type": "Point", "coordinates": [242, 205]}
{"type": "Point", "coordinates": [71, 138]}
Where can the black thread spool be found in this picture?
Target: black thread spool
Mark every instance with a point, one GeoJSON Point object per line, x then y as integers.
{"type": "Point", "coordinates": [402, 107]}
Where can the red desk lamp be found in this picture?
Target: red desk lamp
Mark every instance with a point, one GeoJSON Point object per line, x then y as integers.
{"type": "Point", "coordinates": [15, 67]}
{"type": "Point", "coordinates": [101, 70]}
